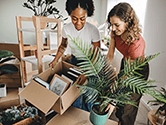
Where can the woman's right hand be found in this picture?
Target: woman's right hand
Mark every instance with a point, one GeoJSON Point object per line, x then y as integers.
{"type": "Point", "coordinates": [112, 34]}
{"type": "Point", "coordinates": [52, 64]}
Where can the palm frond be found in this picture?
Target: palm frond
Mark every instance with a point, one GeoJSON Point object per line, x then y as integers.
{"type": "Point", "coordinates": [94, 60]}
{"type": "Point", "coordinates": [90, 92]}
{"type": "Point", "coordinates": [136, 84]}
{"type": "Point", "coordinates": [104, 84]}
{"type": "Point", "coordinates": [131, 67]}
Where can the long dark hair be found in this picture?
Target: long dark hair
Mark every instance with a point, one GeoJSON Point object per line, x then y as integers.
{"type": "Point", "coordinates": [87, 5]}
{"type": "Point", "coordinates": [126, 14]}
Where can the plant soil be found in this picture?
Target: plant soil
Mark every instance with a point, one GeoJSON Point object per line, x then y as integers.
{"type": "Point", "coordinates": [97, 110]}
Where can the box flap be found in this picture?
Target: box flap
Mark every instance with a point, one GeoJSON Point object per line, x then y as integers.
{"type": "Point", "coordinates": [39, 96]}
{"type": "Point", "coordinates": [62, 120]}
{"type": "Point", "coordinates": [69, 97]}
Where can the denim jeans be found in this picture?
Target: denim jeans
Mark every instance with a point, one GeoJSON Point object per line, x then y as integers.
{"type": "Point", "coordinates": [80, 101]}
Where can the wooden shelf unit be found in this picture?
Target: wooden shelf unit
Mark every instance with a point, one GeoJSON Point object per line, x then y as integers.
{"type": "Point", "coordinates": [40, 47]}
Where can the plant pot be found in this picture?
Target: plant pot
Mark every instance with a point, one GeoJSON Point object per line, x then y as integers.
{"type": "Point", "coordinates": [98, 119]}
{"type": "Point", "coordinates": [43, 25]}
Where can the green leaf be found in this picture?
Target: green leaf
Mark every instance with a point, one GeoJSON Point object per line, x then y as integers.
{"type": "Point", "coordinates": [5, 53]}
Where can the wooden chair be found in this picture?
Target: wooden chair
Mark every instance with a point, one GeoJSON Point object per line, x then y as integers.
{"type": "Point", "coordinates": [42, 50]}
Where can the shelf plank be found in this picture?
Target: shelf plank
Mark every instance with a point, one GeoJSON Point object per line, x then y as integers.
{"type": "Point", "coordinates": [33, 30]}
{"type": "Point", "coordinates": [33, 59]}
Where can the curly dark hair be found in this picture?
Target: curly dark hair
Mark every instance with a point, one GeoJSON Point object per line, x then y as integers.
{"type": "Point", "coordinates": [126, 13]}
{"type": "Point", "coordinates": [87, 5]}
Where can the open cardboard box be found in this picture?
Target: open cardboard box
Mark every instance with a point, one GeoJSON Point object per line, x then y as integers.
{"type": "Point", "coordinates": [11, 99]}
{"type": "Point", "coordinates": [45, 99]}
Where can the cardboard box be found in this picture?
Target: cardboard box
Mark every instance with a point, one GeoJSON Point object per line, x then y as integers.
{"type": "Point", "coordinates": [45, 99]}
{"type": "Point", "coordinates": [75, 116]}
{"type": "Point", "coordinates": [11, 99]}
{"type": "Point", "coordinates": [12, 80]}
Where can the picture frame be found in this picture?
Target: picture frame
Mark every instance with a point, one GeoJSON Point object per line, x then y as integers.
{"type": "Point", "coordinates": [58, 85]}
{"type": "Point", "coordinates": [42, 82]}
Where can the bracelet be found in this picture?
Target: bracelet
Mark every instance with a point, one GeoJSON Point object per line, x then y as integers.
{"type": "Point", "coordinates": [60, 51]}
{"type": "Point", "coordinates": [61, 48]}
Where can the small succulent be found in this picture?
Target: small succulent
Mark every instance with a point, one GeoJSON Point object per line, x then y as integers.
{"type": "Point", "coordinates": [16, 114]}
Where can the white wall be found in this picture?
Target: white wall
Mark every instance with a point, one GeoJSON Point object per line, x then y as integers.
{"type": "Point", "coordinates": [155, 37]}
{"type": "Point", "coordinates": [11, 8]}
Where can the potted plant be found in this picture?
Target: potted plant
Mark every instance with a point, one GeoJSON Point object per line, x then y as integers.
{"type": "Point", "coordinates": [104, 86]}
{"type": "Point", "coordinates": [161, 111]}
{"type": "Point", "coordinates": [43, 8]}
{"type": "Point", "coordinates": [20, 115]}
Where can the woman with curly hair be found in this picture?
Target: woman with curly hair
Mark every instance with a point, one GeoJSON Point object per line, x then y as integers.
{"type": "Point", "coordinates": [78, 28]}
{"type": "Point", "coordinates": [126, 37]}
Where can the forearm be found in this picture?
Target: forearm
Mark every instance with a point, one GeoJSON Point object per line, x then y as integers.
{"type": "Point", "coordinates": [61, 50]}
{"type": "Point", "coordinates": [96, 45]}
{"type": "Point", "coordinates": [110, 54]}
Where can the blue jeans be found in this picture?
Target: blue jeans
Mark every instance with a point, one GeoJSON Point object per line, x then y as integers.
{"type": "Point", "coordinates": [80, 101]}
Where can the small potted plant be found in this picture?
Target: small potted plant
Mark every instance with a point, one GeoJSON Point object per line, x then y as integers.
{"type": "Point", "coordinates": [20, 115]}
{"type": "Point", "coordinates": [43, 8]}
{"type": "Point", "coordinates": [104, 86]}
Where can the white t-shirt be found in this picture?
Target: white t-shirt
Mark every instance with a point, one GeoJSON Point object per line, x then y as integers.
{"type": "Point", "coordinates": [88, 34]}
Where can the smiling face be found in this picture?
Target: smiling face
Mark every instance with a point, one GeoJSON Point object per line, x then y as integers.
{"type": "Point", "coordinates": [78, 17]}
{"type": "Point", "coordinates": [118, 26]}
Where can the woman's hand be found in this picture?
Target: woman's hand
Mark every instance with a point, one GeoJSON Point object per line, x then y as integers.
{"type": "Point", "coordinates": [112, 34]}
{"type": "Point", "coordinates": [52, 64]}
{"type": "Point", "coordinates": [110, 108]}
{"type": "Point", "coordinates": [81, 79]}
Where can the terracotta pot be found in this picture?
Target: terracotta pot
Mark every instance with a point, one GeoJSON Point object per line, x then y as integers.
{"type": "Point", "coordinates": [43, 25]}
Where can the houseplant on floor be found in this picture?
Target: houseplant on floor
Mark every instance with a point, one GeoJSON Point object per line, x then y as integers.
{"type": "Point", "coordinates": [43, 8]}
{"type": "Point", "coordinates": [104, 86]}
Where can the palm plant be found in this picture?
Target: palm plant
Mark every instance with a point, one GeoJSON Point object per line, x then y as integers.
{"type": "Point", "coordinates": [102, 82]}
